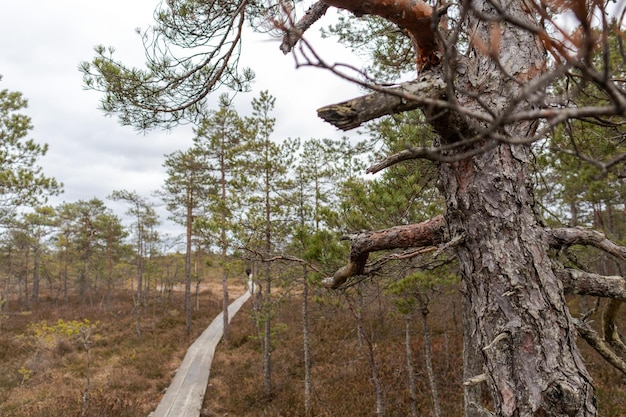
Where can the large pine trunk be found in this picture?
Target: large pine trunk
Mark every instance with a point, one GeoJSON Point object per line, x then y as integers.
{"type": "Point", "coordinates": [520, 321]}
{"type": "Point", "coordinates": [523, 327]}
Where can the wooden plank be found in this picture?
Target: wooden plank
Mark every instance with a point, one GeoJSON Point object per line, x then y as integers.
{"type": "Point", "coordinates": [185, 394]}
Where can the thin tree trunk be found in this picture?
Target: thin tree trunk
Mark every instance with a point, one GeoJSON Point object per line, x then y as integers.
{"type": "Point", "coordinates": [305, 343]}
{"type": "Point", "coordinates": [188, 270]}
{"type": "Point", "coordinates": [380, 398]}
{"type": "Point", "coordinates": [36, 260]}
{"type": "Point", "coordinates": [267, 333]}
{"type": "Point", "coordinates": [412, 386]}
{"type": "Point", "coordinates": [139, 290]}
{"type": "Point", "coordinates": [26, 273]}
{"type": "Point", "coordinates": [65, 275]}
{"type": "Point", "coordinates": [429, 359]}
{"type": "Point", "coordinates": [267, 345]}
{"type": "Point", "coordinates": [223, 184]}
{"type": "Point", "coordinates": [225, 302]}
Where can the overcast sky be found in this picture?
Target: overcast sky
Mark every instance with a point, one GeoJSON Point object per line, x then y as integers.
{"type": "Point", "coordinates": [41, 46]}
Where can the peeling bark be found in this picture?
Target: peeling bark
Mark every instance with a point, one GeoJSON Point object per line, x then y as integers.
{"type": "Point", "coordinates": [428, 233]}
{"type": "Point", "coordinates": [523, 326]}
{"type": "Point", "coordinates": [522, 323]}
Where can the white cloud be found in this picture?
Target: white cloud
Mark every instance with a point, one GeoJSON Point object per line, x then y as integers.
{"type": "Point", "coordinates": [42, 45]}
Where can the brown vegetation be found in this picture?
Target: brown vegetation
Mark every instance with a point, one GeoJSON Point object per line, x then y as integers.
{"type": "Point", "coordinates": [45, 376]}
{"type": "Point", "coordinates": [342, 383]}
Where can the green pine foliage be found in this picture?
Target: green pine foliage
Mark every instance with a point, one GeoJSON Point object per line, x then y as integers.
{"type": "Point", "coordinates": [22, 182]}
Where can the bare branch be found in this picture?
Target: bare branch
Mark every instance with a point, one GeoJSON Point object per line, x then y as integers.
{"type": "Point", "coordinates": [433, 154]}
{"type": "Point", "coordinates": [312, 15]}
{"type": "Point", "coordinates": [428, 233]}
{"type": "Point", "coordinates": [596, 342]}
{"type": "Point", "coordinates": [610, 329]}
{"type": "Point", "coordinates": [350, 114]}
{"type": "Point", "coordinates": [288, 258]}
{"type": "Point", "coordinates": [580, 282]}
{"type": "Point", "coordinates": [372, 267]}
{"type": "Point", "coordinates": [568, 236]}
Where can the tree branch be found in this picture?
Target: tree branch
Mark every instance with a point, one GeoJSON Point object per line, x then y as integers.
{"type": "Point", "coordinates": [580, 282]}
{"type": "Point", "coordinates": [428, 233]}
{"type": "Point", "coordinates": [596, 342]}
{"type": "Point", "coordinates": [351, 114]}
{"type": "Point", "coordinates": [293, 35]}
{"type": "Point", "coordinates": [414, 16]}
{"type": "Point", "coordinates": [610, 329]}
{"type": "Point", "coordinates": [568, 236]}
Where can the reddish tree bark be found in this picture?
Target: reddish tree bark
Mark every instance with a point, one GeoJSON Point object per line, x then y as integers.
{"type": "Point", "coordinates": [414, 16]}
{"type": "Point", "coordinates": [515, 303]}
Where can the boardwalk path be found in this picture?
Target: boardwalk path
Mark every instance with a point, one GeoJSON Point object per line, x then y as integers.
{"type": "Point", "coordinates": [185, 394]}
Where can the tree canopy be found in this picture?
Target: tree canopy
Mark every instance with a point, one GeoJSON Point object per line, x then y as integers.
{"type": "Point", "coordinates": [22, 181]}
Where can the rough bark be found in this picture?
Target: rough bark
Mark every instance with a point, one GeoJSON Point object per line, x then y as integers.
{"type": "Point", "coordinates": [522, 323]}
{"type": "Point", "coordinates": [473, 376]}
{"type": "Point", "coordinates": [523, 327]}
{"type": "Point", "coordinates": [421, 93]}
{"type": "Point", "coordinates": [428, 233]}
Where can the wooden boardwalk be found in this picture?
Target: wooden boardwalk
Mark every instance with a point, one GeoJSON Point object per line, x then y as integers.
{"type": "Point", "coordinates": [185, 394]}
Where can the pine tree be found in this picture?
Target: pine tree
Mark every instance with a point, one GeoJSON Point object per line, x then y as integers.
{"type": "Point", "coordinates": [22, 181]}
{"type": "Point", "coordinates": [185, 192]}
{"type": "Point", "coordinates": [218, 138]}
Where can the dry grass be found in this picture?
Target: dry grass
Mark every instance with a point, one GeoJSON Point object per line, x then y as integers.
{"type": "Point", "coordinates": [129, 374]}
{"type": "Point", "coordinates": [341, 373]}
{"type": "Point", "coordinates": [45, 375]}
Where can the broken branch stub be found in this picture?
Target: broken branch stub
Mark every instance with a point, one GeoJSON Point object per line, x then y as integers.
{"type": "Point", "coordinates": [407, 96]}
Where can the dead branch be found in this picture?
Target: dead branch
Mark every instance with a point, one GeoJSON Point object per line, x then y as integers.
{"type": "Point", "coordinates": [262, 258]}
{"type": "Point", "coordinates": [596, 342]}
{"type": "Point", "coordinates": [580, 282]}
{"type": "Point", "coordinates": [430, 153]}
{"type": "Point", "coordinates": [568, 236]}
{"type": "Point", "coordinates": [428, 233]}
{"type": "Point", "coordinates": [293, 35]}
{"type": "Point", "coordinates": [351, 114]}
{"type": "Point", "coordinates": [373, 267]}
{"type": "Point", "coordinates": [610, 329]}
